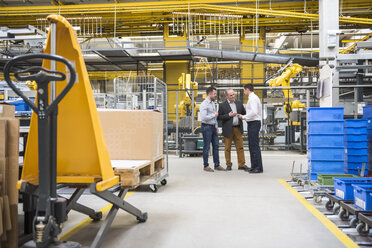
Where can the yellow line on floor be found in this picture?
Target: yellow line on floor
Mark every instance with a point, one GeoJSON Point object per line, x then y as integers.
{"type": "Point", "coordinates": [69, 233]}
{"type": "Point", "coordinates": [329, 224]}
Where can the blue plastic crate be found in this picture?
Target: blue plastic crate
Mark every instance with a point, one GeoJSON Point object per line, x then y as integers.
{"type": "Point", "coordinates": [367, 112]}
{"type": "Point", "coordinates": [326, 154]}
{"type": "Point", "coordinates": [356, 159]}
{"type": "Point", "coordinates": [325, 114]}
{"type": "Point", "coordinates": [356, 123]}
{"type": "Point", "coordinates": [356, 152]}
{"type": "Point", "coordinates": [363, 197]}
{"type": "Point", "coordinates": [360, 144]}
{"type": "Point", "coordinates": [355, 137]}
{"type": "Point", "coordinates": [20, 105]}
{"type": "Point", "coordinates": [369, 123]}
{"type": "Point", "coordinates": [351, 130]}
{"type": "Point", "coordinates": [355, 166]}
{"type": "Point", "coordinates": [369, 136]}
{"type": "Point", "coordinates": [313, 176]}
{"type": "Point", "coordinates": [326, 127]}
{"type": "Point", "coordinates": [325, 140]}
{"type": "Point", "coordinates": [344, 188]}
{"type": "Point", "coordinates": [333, 167]}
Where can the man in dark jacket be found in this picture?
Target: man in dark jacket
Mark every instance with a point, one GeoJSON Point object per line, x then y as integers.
{"type": "Point", "coordinates": [232, 128]}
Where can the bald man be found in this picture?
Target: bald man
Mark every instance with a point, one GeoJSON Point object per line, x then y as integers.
{"type": "Point", "coordinates": [232, 128]}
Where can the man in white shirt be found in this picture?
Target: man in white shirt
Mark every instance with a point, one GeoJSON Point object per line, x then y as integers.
{"type": "Point", "coordinates": [253, 117]}
{"type": "Point", "coordinates": [209, 129]}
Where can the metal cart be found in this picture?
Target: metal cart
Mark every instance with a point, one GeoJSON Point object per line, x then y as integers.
{"type": "Point", "coordinates": [141, 92]}
{"type": "Point", "coordinates": [188, 145]}
{"type": "Point", "coordinates": [365, 223]}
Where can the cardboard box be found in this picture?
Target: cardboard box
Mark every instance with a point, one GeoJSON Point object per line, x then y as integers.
{"type": "Point", "coordinates": [12, 166]}
{"type": "Point", "coordinates": [2, 138]}
{"type": "Point", "coordinates": [12, 235]}
{"type": "Point", "coordinates": [9, 167]}
{"type": "Point", "coordinates": [7, 110]}
{"type": "Point", "coordinates": [132, 134]}
{"type": "Point", "coordinates": [9, 139]}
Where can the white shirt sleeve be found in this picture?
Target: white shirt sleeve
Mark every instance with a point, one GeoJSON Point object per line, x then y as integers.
{"type": "Point", "coordinates": [251, 110]}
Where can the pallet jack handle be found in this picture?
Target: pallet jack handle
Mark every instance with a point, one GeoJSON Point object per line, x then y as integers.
{"type": "Point", "coordinates": [51, 210]}
{"type": "Point", "coordinates": [43, 76]}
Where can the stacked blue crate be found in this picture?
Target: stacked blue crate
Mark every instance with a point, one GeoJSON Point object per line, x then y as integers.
{"type": "Point", "coordinates": [356, 148]}
{"type": "Point", "coordinates": [367, 114]}
{"type": "Point", "coordinates": [325, 141]}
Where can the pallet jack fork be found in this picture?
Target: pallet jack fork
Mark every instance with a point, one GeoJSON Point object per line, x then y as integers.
{"type": "Point", "coordinates": [78, 157]}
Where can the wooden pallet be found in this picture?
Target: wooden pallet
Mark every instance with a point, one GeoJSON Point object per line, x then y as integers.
{"type": "Point", "coordinates": [133, 173]}
{"type": "Point", "coordinates": [158, 163]}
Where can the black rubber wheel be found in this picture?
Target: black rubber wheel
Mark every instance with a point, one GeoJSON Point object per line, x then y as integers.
{"type": "Point", "coordinates": [361, 229]}
{"type": "Point", "coordinates": [354, 222]}
{"type": "Point", "coordinates": [163, 182]}
{"type": "Point", "coordinates": [98, 216]}
{"type": "Point", "coordinates": [143, 218]}
{"type": "Point", "coordinates": [343, 215]}
{"type": "Point", "coordinates": [336, 209]}
{"type": "Point", "coordinates": [153, 188]}
{"type": "Point", "coordinates": [329, 205]}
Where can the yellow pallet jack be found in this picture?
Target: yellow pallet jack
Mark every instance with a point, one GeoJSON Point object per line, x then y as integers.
{"type": "Point", "coordinates": [79, 157]}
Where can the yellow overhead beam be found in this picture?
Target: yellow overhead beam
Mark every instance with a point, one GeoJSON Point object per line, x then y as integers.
{"type": "Point", "coordinates": [169, 6]}
{"type": "Point", "coordinates": [128, 19]}
{"type": "Point", "coordinates": [290, 14]}
{"type": "Point", "coordinates": [352, 47]}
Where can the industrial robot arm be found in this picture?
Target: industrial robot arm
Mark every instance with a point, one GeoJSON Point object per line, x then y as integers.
{"type": "Point", "coordinates": [284, 81]}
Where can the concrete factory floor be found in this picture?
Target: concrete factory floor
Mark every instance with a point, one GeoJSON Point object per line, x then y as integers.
{"type": "Point", "coordinates": [220, 209]}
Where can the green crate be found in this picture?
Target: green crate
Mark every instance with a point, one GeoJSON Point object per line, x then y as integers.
{"type": "Point", "coordinates": [327, 179]}
{"type": "Point", "coordinates": [199, 144]}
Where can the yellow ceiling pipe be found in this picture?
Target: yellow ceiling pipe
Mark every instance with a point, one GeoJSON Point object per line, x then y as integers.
{"type": "Point", "coordinates": [352, 47]}
{"type": "Point", "coordinates": [159, 6]}
{"type": "Point", "coordinates": [286, 14]}
{"type": "Point", "coordinates": [151, 8]}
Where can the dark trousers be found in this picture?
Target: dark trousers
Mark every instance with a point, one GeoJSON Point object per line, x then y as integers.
{"type": "Point", "coordinates": [210, 135]}
{"type": "Point", "coordinates": [254, 144]}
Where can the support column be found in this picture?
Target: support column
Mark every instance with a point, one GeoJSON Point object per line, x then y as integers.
{"type": "Point", "coordinates": [173, 70]}
{"type": "Point", "coordinates": [252, 72]}
{"type": "Point", "coordinates": [328, 49]}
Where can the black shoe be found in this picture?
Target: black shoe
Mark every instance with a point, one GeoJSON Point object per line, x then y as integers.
{"type": "Point", "coordinates": [228, 168]}
{"type": "Point", "coordinates": [246, 168]}
{"type": "Point", "coordinates": [255, 171]}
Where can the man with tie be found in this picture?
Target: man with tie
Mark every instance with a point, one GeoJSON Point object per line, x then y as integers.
{"type": "Point", "coordinates": [253, 117]}
{"type": "Point", "coordinates": [232, 128]}
{"type": "Point", "coordinates": [210, 129]}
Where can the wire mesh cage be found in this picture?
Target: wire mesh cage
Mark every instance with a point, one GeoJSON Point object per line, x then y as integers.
{"type": "Point", "coordinates": [144, 92]}
{"type": "Point", "coordinates": [140, 92]}
{"type": "Point", "coordinates": [104, 100]}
